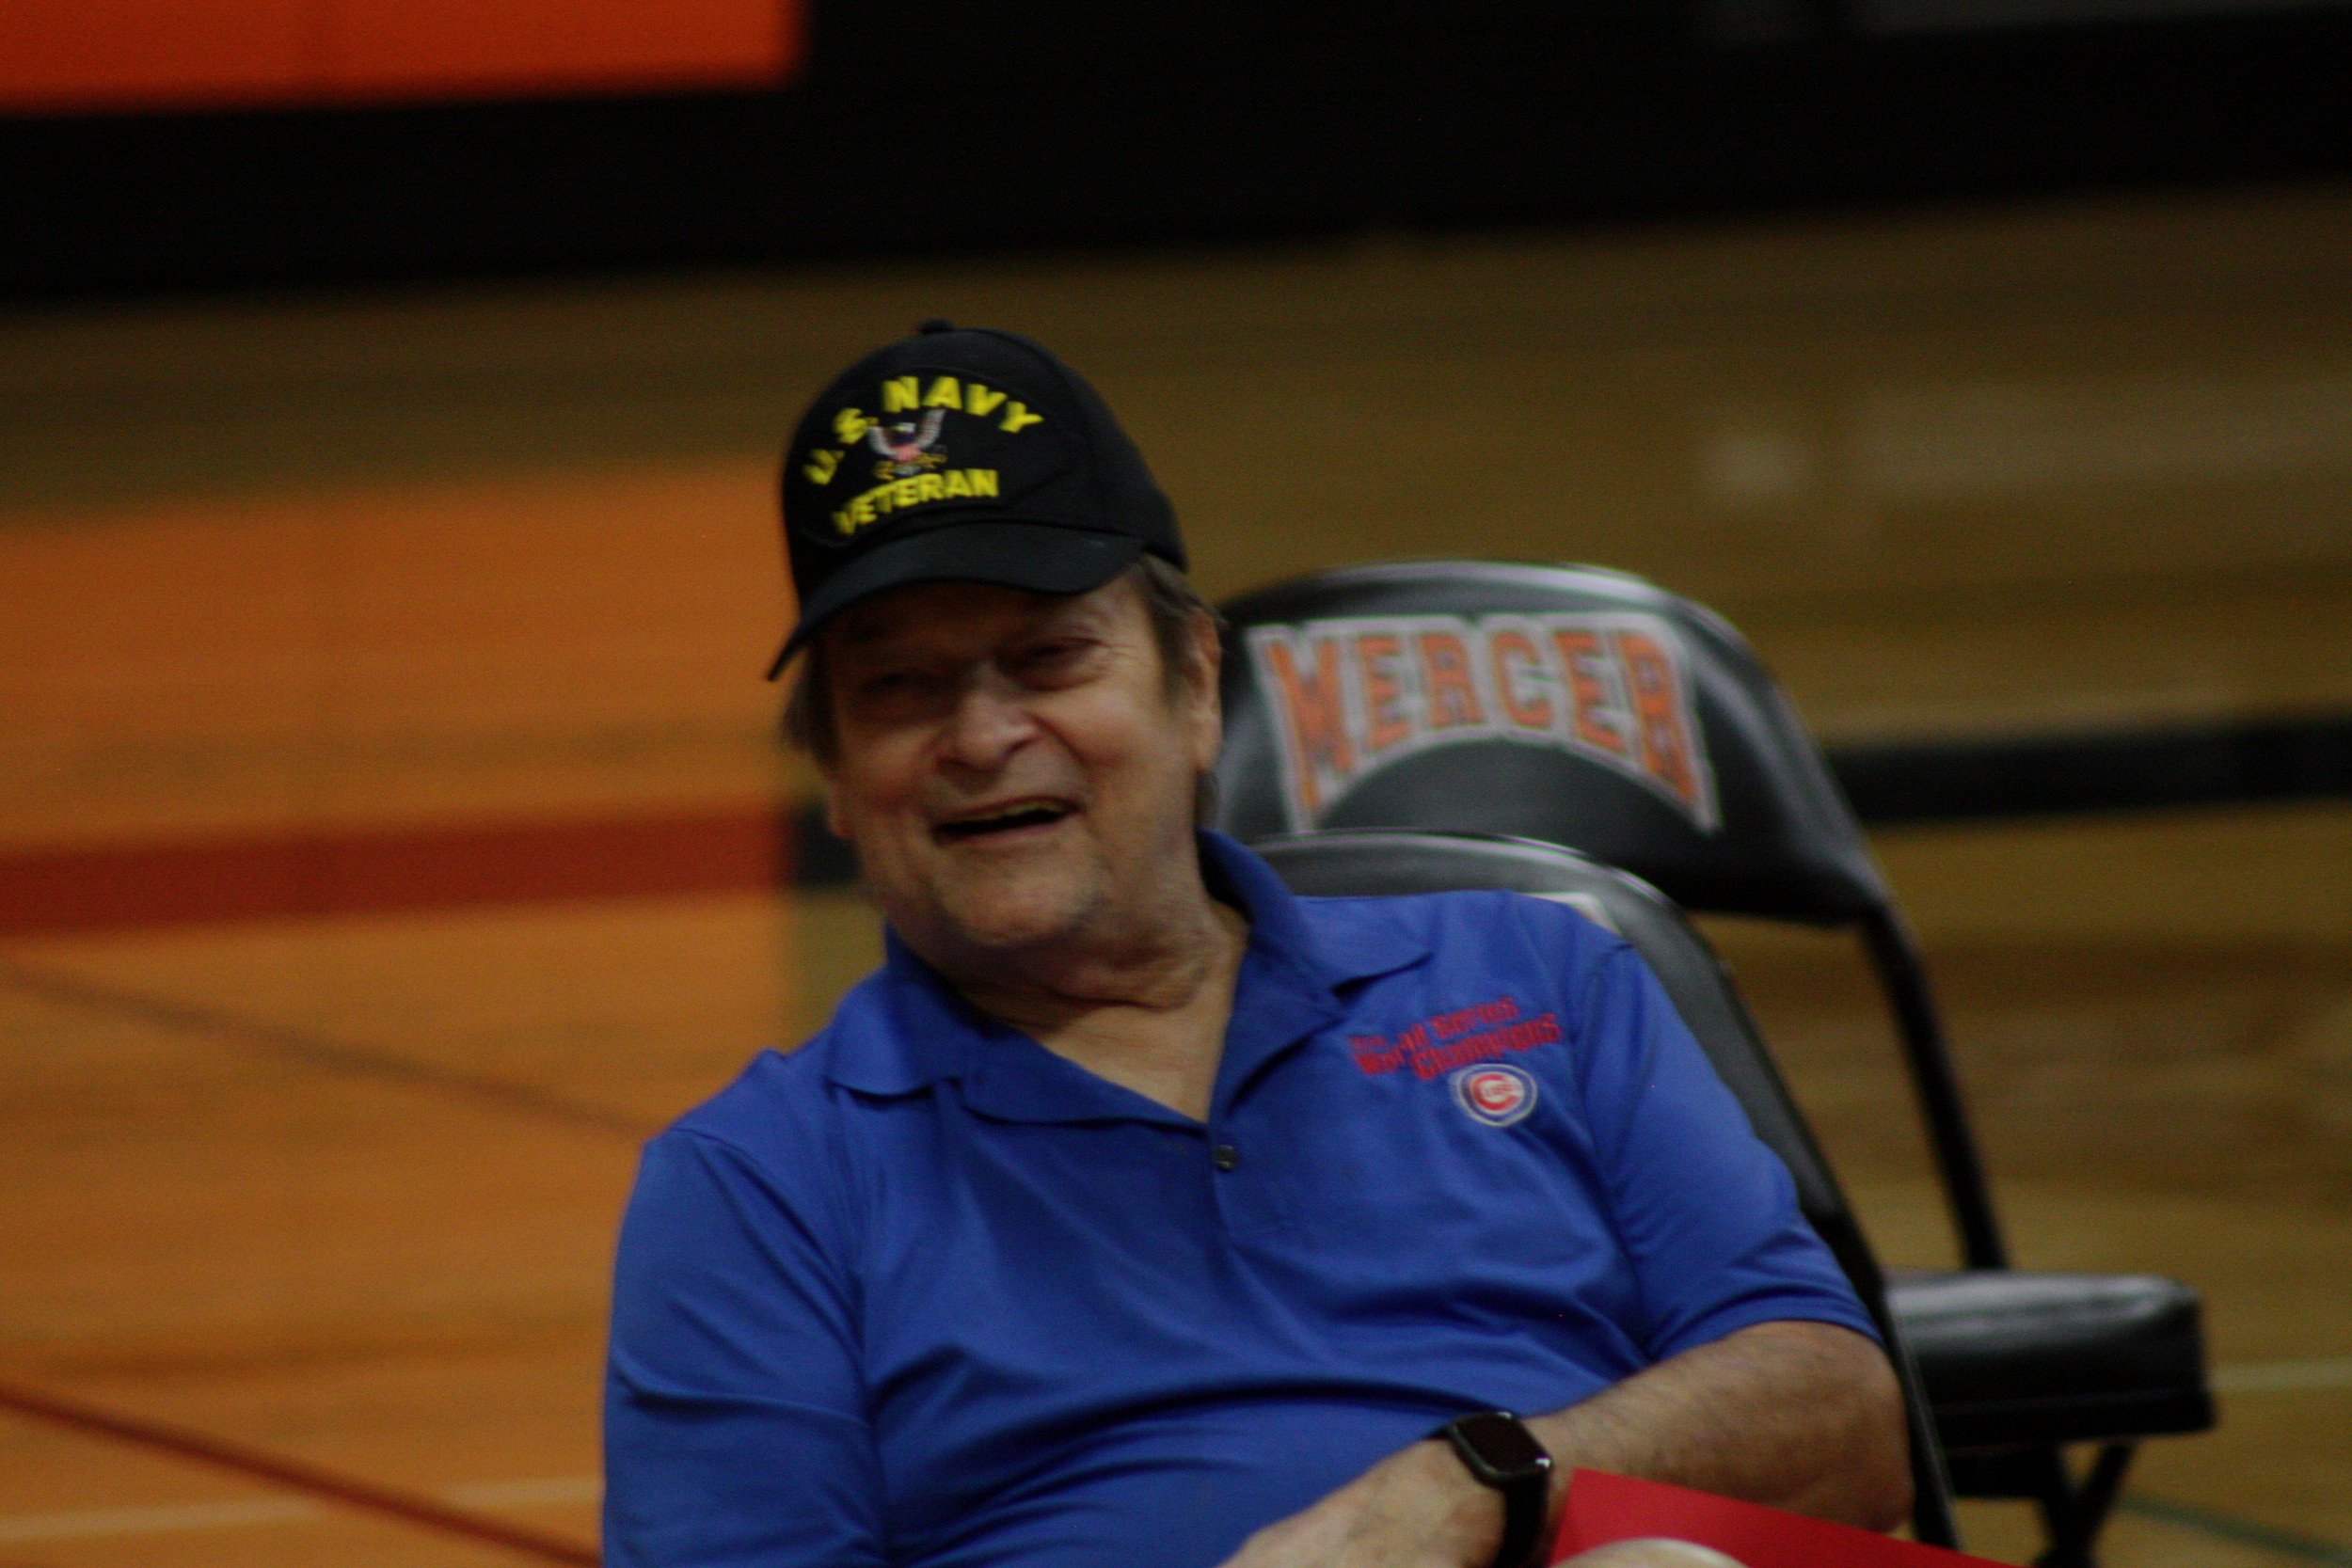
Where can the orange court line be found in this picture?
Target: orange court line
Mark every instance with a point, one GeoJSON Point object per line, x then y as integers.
{"type": "Point", "coordinates": [317, 1049]}
{"type": "Point", "coordinates": [302, 1476]}
{"type": "Point", "coordinates": [320, 874]}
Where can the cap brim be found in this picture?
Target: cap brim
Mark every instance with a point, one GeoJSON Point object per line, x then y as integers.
{"type": "Point", "coordinates": [1043, 558]}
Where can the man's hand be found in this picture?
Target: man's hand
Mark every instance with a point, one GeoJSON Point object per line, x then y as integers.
{"type": "Point", "coordinates": [1417, 1508]}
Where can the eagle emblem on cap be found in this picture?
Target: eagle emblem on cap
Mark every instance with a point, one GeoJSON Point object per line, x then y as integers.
{"type": "Point", "coordinates": [909, 447]}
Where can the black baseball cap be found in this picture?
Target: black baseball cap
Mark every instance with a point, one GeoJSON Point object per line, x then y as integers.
{"type": "Point", "coordinates": [961, 456]}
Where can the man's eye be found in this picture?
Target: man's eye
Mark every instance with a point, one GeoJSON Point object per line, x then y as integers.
{"type": "Point", "coordinates": [890, 684]}
{"type": "Point", "coordinates": [1049, 658]}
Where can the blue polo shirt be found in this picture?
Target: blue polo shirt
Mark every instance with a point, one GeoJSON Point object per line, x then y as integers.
{"type": "Point", "coordinates": [924, 1293]}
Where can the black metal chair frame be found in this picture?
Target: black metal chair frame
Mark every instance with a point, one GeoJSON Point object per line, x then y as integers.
{"type": "Point", "coordinates": [2073, 1511]}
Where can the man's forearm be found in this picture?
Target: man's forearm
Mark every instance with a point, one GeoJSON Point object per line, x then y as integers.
{"type": "Point", "coordinates": [1800, 1416]}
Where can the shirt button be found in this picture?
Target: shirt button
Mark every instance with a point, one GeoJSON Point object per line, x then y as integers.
{"type": "Point", "coordinates": [1225, 1157]}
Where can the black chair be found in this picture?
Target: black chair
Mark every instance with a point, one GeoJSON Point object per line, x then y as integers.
{"type": "Point", "coordinates": [1371, 862]}
{"type": "Point", "coordinates": [1588, 708]}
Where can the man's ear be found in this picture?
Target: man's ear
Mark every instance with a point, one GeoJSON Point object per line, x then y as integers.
{"type": "Point", "coordinates": [1208, 664]}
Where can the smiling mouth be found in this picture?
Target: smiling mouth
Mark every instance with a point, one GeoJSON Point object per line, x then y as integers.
{"type": "Point", "coordinates": [1012, 818]}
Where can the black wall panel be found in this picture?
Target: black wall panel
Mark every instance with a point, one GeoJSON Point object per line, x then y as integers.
{"type": "Point", "coordinates": [983, 124]}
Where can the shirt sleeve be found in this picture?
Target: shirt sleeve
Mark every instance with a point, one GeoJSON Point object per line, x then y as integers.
{"type": "Point", "coordinates": [734, 1429]}
{"type": "Point", "coordinates": [1707, 1212]}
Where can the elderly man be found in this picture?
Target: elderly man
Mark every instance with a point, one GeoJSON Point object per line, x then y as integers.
{"type": "Point", "coordinates": [1078, 1238]}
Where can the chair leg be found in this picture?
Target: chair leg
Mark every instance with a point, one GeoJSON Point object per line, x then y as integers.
{"type": "Point", "coordinates": [1935, 1082]}
{"type": "Point", "coordinates": [2074, 1513]}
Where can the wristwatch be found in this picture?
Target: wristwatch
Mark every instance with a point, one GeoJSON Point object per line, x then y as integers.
{"type": "Point", "coordinates": [1499, 1450]}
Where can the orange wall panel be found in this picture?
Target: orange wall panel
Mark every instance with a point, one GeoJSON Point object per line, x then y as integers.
{"type": "Point", "coordinates": [100, 54]}
{"type": "Point", "coordinates": [375, 48]}
{"type": "Point", "coordinates": [68, 53]}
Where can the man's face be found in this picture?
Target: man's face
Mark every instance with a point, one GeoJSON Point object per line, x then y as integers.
{"type": "Point", "coordinates": [1011, 767]}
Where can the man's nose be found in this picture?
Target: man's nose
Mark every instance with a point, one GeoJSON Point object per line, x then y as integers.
{"type": "Point", "coordinates": [988, 726]}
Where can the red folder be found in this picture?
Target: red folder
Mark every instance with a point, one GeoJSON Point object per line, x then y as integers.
{"type": "Point", "coordinates": [1602, 1507]}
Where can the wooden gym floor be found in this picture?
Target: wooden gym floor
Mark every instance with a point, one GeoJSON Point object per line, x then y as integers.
{"type": "Point", "coordinates": [359, 604]}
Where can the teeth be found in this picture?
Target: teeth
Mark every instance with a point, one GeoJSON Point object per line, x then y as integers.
{"type": "Point", "coordinates": [1016, 813]}
{"type": "Point", "coordinates": [1026, 809]}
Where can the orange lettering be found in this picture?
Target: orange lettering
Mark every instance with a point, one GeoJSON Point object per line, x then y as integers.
{"type": "Point", "coordinates": [1657, 709]}
{"type": "Point", "coordinates": [1506, 648]}
{"type": "Point", "coordinates": [1376, 659]}
{"type": "Point", "coordinates": [1449, 695]}
{"type": "Point", "coordinates": [1315, 719]}
{"type": "Point", "coordinates": [1579, 661]}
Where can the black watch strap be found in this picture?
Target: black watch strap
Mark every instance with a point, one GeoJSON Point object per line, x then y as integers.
{"type": "Point", "coordinates": [1497, 1449]}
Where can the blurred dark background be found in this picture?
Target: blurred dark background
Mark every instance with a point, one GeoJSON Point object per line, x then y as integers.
{"type": "Point", "coordinates": [889, 127]}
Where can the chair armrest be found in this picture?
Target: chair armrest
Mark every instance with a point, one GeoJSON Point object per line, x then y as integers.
{"type": "Point", "coordinates": [2011, 1358]}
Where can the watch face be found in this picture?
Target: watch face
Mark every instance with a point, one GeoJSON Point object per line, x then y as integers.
{"type": "Point", "coordinates": [1503, 1445]}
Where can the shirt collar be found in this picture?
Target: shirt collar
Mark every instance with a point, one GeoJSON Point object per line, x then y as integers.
{"type": "Point", "coordinates": [903, 1028]}
{"type": "Point", "coordinates": [906, 1028]}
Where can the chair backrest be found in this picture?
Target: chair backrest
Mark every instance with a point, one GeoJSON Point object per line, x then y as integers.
{"type": "Point", "coordinates": [1569, 703]}
{"type": "Point", "coordinates": [1371, 862]}
{"type": "Point", "coordinates": [1583, 707]}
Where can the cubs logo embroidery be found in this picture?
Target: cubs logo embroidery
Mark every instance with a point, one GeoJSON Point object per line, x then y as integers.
{"type": "Point", "coordinates": [908, 446]}
{"type": "Point", "coordinates": [1497, 1096]}
{"type": "Point", "coordinates": [1457, 1038]}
